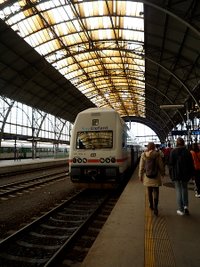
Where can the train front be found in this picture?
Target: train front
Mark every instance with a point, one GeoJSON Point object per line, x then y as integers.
{"type": "Point", "coordinates": [98, 153]}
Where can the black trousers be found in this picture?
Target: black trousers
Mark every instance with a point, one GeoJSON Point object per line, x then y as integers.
{"type": "Point", "coordinates": [153, 195]}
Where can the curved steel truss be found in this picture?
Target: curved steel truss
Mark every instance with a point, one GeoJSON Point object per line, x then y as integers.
{"type": "Point", "coordinates": [133, 56]}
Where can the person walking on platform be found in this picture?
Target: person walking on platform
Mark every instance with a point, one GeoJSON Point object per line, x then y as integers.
{"type": "Point", "coordinates": [167, 151]}
{"type": "Point", "coordinates": [181, 170]}
{"type": "Point", "coordinates": [151, 168]}
{"type": "Point", "coordinates": [195, 151]}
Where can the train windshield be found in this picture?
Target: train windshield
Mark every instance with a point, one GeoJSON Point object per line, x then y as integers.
{"type": "Point", "coordinates": [94, 140]}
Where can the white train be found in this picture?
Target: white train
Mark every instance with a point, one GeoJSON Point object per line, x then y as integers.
{"type": "Point", "coordinates": [11, 149]}
{"type": "Point", "coordinates": [99, 151]}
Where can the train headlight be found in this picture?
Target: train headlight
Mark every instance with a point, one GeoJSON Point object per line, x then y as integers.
{"type": "Point", "coordinates": [102, 160]}
{"type": "Point", "coordinates": [84, 160]}
{"type": "Point", "coordinates": [113, 160]}
{"type": "Point", "coordinates": [74, 160]}
{"type": "Point", "coordinates": [79, 160]}
{"type": "Point", "coordinates": [107, 160]}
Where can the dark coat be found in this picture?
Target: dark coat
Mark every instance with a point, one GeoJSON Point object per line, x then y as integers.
{"type": "Point", "coordinates": [181, 166]}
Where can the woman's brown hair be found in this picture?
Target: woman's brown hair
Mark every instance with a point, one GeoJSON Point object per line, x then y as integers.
{"type": "Point", "coordinates": [151, 146]}
{"type": "Point", "coordinates": [180, 141]}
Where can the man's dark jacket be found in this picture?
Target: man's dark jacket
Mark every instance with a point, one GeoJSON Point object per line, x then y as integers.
{"type": "Point", "coordinates": [181, 166]}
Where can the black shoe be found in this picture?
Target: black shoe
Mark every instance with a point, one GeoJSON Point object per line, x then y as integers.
{"type": "Point", "coordinates": [156, 212]}
{"type": "Point", "coordinates": [151, 207]}
{"type": "Point", "coordinates": [186, 211]}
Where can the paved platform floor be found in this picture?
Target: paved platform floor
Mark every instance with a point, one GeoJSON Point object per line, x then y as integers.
{"type": "Point", "coordinates": [134, 237]}
{"type": "Point", "coordinates": [8, 163]}
{"type": "Point", "coordinates": [7, 166]}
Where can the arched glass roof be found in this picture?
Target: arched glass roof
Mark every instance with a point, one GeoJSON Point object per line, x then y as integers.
{"type": "Point", "coordinates": [97, 45]}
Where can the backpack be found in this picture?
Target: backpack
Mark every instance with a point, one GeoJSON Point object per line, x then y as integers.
{"type": "Point", "coordinates": [151, 167]}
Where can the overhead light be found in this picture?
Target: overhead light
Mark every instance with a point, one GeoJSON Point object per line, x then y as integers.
{"type": "Point", "coordinates": [171, 106]}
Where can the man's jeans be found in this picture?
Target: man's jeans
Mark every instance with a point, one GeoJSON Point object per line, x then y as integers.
{"type": "Point", "coordinates": [181, 194]}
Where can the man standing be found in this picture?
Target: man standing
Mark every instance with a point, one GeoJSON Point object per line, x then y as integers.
{"type": "Point", "coordinates": [181, 170]}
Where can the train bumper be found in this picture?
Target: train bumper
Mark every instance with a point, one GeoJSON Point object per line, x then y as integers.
{"type": "Point", "coordinates": [93, 174]}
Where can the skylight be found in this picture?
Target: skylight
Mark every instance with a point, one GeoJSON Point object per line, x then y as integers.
{"type": "Point", "coordinates": [97, 45]}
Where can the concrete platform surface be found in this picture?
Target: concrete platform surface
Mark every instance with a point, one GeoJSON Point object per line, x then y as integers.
{"type": "Point", "coordinates": [7, 166]}
{"type": "Point", "coordinates": [134, 237]}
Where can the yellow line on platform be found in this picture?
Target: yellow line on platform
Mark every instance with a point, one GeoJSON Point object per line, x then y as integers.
{"type": "Point", "coordinates": [158, 251]}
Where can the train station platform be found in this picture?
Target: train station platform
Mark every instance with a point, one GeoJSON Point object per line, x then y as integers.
{"type": "Point", "coordinates": [134, 237]}
{"type": "Point", "coordinates": [8, 166]}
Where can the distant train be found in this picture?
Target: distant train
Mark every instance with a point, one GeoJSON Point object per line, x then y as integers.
{"type": "Point", "coordinates": [23, 150]}
{"type": "Point", "coordinates": [99, 148]}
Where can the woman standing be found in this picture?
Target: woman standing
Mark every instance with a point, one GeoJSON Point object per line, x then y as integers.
{"type": "Point", "coordinates": [196, 159]}
{"type": "Point", "coordinates": [153, 181]}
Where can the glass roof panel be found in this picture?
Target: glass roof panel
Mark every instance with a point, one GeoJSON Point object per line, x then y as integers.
{"type": "Point", "coordinates": [97, 45]}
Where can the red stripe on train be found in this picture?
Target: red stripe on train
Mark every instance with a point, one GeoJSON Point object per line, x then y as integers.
{"type": "Point", "coordinates": [98, 160]}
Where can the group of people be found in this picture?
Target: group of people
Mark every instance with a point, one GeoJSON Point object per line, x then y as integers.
{"type": "Point", "coordinates": [183, 164]}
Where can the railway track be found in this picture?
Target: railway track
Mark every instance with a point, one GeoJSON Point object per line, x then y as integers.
{"type": "Point", "coordinates": [14, 187]}
{"type": "Point", "coordinates": [29, 169]}
{"type": "Point", "coordinates": [76, 254]}
{"type": "Point", "coordinates": [42, 242]}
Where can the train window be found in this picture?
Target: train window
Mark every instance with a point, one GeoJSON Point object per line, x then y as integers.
{"type": "Point", "coordinates": [94, 140]}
